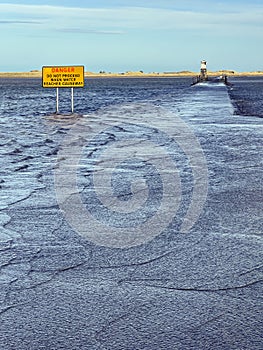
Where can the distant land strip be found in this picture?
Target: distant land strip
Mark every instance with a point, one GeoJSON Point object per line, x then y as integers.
{"type": "Point", "coordinates": [139, 74]}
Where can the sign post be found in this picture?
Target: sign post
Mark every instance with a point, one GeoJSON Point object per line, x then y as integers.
{"type": "Point", "coordinates": [57, 102]}
{"type": "Point", "coordinates": [72, 100]}
{"type": "Point", "coordinates": [63, 77]}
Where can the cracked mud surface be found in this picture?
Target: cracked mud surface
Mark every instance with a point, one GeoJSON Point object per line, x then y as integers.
{"type": "Point", "coordinates": [199, 290]}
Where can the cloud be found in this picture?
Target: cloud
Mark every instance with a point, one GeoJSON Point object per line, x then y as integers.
{"type": "Point", "coordinates": [90, 31]}
{"type": "Point", "coordinates": [20, 22]}
{"type": "Point", "coordinates": [122, 19]}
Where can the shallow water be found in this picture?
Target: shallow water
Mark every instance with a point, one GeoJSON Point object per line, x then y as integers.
{"type": "Point", "coordinates": [135, 224]}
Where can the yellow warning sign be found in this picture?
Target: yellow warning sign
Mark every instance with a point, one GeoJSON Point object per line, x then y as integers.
{"type": "Point", "coordinates": [62, 76]}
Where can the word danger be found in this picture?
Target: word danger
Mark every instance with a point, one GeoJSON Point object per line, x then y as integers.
{"type": "Point", "coordinates": [63, 69]}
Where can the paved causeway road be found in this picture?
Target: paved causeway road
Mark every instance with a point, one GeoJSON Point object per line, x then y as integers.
{"type": "Point", "coordinates": [136, 227]}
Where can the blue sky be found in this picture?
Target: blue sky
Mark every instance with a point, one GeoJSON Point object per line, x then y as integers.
{"type": "Point", "coordinates": [119, 35]}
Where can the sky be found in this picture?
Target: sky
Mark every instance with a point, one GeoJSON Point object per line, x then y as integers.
{"type": "Point", "coordinates": [132, 35]}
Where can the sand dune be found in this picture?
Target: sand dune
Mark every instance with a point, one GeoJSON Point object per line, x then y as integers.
{"type": "Point", "coordinates": [38, 74]}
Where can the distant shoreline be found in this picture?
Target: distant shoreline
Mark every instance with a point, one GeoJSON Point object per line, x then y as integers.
{"type": "Point", "coordinates": [185, 74]}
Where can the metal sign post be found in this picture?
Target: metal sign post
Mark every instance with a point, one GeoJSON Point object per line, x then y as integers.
{"type": "Point", "coordinates": [57, 103]}
{"type": "Point", "coordinates": [63, 77]}
{"type": "Point", "coordinates": [72, 100]}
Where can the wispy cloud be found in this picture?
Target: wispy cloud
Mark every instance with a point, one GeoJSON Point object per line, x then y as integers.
{"type": "Point", "coordinates": [119, 20]}
{"type": "Point", "coordinates": [20, 22]}
{"type": "Point", "coordinates": [90, 31]}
